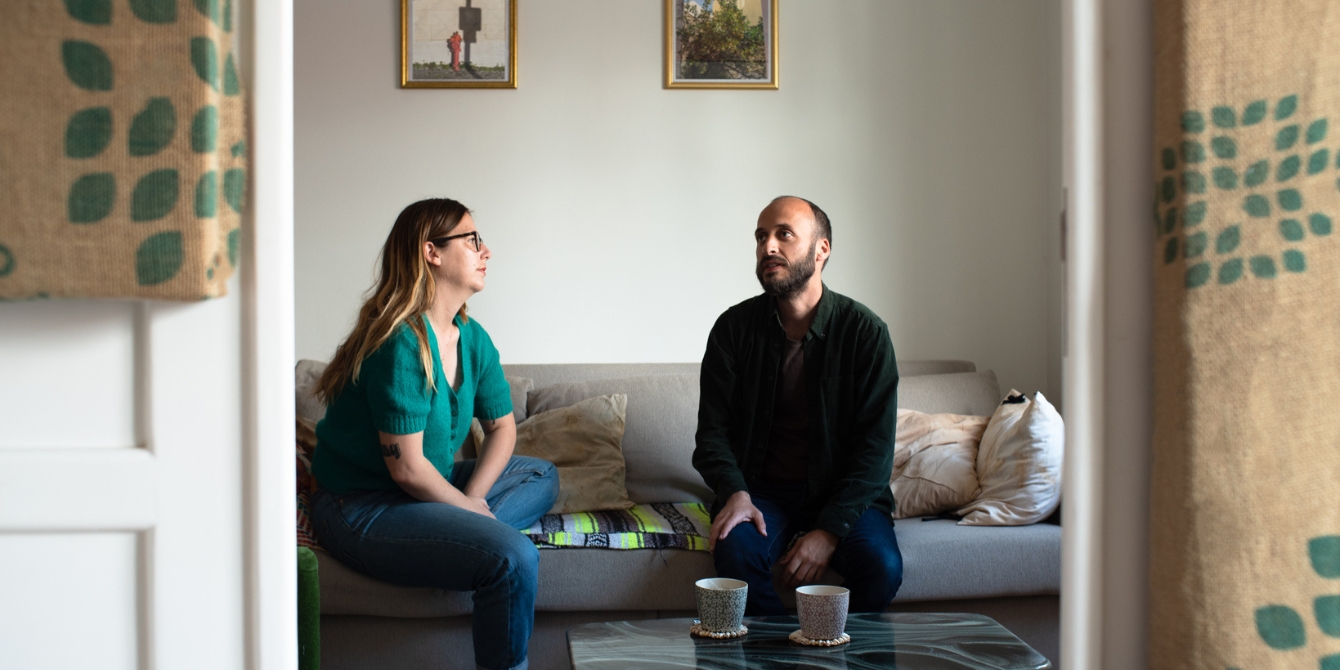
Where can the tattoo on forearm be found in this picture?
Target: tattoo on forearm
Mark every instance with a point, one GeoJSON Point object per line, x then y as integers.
{"type": "Point", "coordinates": [391, 450]}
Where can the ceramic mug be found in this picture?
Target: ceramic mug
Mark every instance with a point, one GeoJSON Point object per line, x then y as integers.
{"type": "Point", "coordinates": [721, 604]}
{"type": "Point", "coordinates": [822, 610]}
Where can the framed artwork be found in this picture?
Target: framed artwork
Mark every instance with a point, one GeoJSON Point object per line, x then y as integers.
{"type": "Point", "coordinates": [458, 43]}
{"type": "Point", "coordinates": [721, 44]}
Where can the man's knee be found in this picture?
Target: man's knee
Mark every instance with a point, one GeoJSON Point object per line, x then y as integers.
{"type": "Point", "coordinates": [743, 550]}
{"type": "Point", "coordinates": [878, 576]}
{"type": "Point", "coordinates": [891, 570]}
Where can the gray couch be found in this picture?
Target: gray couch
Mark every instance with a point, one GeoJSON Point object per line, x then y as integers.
{"type": "Point", "coordinates": [1010, 574]}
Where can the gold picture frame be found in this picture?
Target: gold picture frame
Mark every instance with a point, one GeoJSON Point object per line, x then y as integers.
{"type": "Point", "coordinates": [436, 40]}
{"type": "Point", "coordinates": [678, 13]}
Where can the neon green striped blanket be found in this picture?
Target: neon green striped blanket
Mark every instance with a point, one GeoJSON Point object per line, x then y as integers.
{"type": "Point", "coordinates": [654, 526]}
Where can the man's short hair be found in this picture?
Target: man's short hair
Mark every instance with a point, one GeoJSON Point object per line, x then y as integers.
{"type": "Point", "coordinates": [820, 218]}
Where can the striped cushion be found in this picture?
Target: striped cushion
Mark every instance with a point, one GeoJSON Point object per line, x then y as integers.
{"type": "Point", "coordinates": [651, 526]}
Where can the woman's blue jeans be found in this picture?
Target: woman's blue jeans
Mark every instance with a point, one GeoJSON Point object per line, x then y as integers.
{"type": "Point", "coordinates": [391, 536]}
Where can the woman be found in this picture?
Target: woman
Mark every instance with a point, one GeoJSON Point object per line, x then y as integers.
{"type": "Point", "coordinates": [400, 393]}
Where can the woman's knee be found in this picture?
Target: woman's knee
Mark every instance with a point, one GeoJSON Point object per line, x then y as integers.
{"type": "Point", "coordinates": [519, 554]}
{"type": "Point", "coordinates": [539, 466]}
{"type": "Point", "coordinates": [541, 470]}
{"type": "Point", "coordinates": [549, 473]}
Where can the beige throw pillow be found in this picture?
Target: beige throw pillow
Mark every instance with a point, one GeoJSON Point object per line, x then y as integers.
{"type": "Point", "coordinates": [658, 437]}
{"type": "Point", "coordinates": [934, 462]}
{"type": "Point", "coordinates": [583, 440]}
{"type": "Point", "coordinates": [1018, 464]}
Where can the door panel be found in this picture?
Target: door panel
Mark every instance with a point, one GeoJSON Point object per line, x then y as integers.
{"type": "Point", "coordinates": [70, 600]}
{"type": "Point", "coordinates": [121, 487]}
{"type": "Point", "coordinates": [77, 357]}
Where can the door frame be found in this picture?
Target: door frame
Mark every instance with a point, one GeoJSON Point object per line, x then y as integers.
{"type": "Point", "coordinates": [1108, 76]}
{"type": "Point", "coordinates": [269, 475]}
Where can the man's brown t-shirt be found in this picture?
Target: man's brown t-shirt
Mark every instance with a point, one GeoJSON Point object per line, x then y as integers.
{"type": "Point", "coordinates": [788, 442]}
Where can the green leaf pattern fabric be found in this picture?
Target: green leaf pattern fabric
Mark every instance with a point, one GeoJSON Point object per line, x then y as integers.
{"type": "Point", "coordinates": [1245, 535]}
{"type": "Point", "coordinates": [123, 125]}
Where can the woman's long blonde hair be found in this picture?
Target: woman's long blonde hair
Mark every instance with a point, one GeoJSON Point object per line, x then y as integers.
{"type": "Point", "coordinates": [404, 291]}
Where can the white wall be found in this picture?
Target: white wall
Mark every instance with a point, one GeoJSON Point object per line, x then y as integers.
{"type": "Point", "coordinates": [620, 214]}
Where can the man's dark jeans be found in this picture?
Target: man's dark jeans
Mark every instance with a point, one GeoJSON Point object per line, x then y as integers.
{"type": "Point", "coordinates": [867, 558]}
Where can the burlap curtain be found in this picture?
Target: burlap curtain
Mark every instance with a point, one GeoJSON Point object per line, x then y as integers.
{"type": "Point", "coordinates": [1246, 485]}
{"type": "Point", "coordinates": [122, 148]}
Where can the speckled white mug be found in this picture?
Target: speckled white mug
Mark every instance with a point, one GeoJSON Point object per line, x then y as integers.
{"type": "Point", "coordinates": [721, 603]}
{"type": "Point", "coordinates": [822, 611]}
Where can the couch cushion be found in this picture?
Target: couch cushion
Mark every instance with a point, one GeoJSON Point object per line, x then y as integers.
{"type": "Point", "coordinates": [934, 367]}
{"type": "Point", "coordinates": [519, 387]}
{"type": "Point", "coordinates": [548, 374]}
{"type": "Point", "coordinates": [307, 373]}
{"type": "Point", "coordinates": [582, 440]}
{"type": "Point", "coordinates": [570, 580]}
{"type": "Point", "coordinates": [654, 526]}
{"type": "Point", "coordinates": [658, 437]}
{"type": "Point", "coordinates": [346, 591]}
{"type": "Point", "coordinates": [935, 462]}
{"type": "Point", "coordinates": [941, 561]}
{"type": "Point", "coordinates": [522, 378]}
{"type": "Point", "coordinates": [1019, 464]}
{"type": "Point", "coordinates": [973, 393]}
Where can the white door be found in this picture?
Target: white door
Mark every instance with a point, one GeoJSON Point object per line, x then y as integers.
{"type": "Point", "coordinates": [121, 512]}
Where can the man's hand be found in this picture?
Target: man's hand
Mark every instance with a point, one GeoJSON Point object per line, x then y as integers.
{"type": "Point", "coordinates": [808, 558]}
{"type": "Point", "coordinates": [739, 509]}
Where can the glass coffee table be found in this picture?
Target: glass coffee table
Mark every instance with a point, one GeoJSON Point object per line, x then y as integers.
{"type": "Point", "coordinates": [903, 641]}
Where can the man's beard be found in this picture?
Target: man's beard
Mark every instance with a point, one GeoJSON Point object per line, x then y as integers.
{"type": "Point", "coordinates": [793, 280]}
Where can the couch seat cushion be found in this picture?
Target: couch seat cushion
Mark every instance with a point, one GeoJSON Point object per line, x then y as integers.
{"type": "Point", "coordinates": [570, 580]}
{"type": "Point", "coordinates": [941, 561]}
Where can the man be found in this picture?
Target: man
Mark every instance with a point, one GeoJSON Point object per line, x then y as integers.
{"type": "Point", "coordinates": [796, 426]}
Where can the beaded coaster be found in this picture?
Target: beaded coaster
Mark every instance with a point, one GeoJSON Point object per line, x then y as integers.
{"type": "Point", "coordinates": [697, 629]}
{"type": "Point", "coordinates": [799, 638]}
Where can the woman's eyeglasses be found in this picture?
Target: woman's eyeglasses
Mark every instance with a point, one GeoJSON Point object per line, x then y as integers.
{"type": "Point", "coordinates": [473, 236]}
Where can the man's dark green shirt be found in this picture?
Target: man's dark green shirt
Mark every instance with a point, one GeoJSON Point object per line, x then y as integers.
{"type": "Point", "coordinates": [851, 382]}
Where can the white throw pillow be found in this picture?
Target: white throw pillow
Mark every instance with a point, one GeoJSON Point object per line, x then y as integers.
{"type": "Point", "coordinates": [934, 462]}
{"type": "Point", "coordinates": [1018, 464]}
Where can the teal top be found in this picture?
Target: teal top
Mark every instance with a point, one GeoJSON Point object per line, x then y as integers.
{"type": "Point", "coordinates": [392, 396]}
